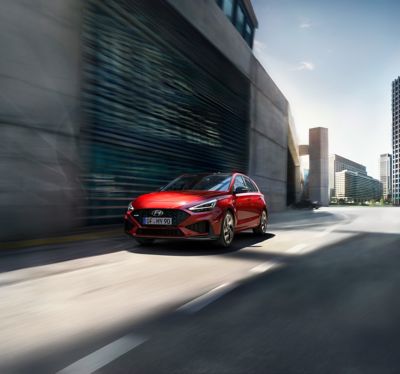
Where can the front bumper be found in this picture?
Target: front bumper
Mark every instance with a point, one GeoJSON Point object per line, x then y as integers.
{"type": "Point", "coordinates": [197, 226]}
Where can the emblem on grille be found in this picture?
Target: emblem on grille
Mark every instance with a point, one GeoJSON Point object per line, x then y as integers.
{"type": "Point", "coordinates": [157, 213]}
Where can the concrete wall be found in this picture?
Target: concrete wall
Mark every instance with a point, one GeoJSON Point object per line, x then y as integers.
{"type": "Point", "coordinates": [39, 118]}
{"type": "Point", "coordinates": [208, 18]}
{"type": "Point", "coordinates": [272, 130]}
{"type": "Point", "coordinates": [268, 138]}
{"type": "Point", "coordinates": [293, 145]}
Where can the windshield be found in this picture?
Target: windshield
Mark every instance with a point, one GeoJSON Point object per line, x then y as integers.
{"type": "Point", "coordinates": [201, 182]}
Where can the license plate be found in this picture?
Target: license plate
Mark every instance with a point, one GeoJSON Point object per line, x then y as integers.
{"type": "Point", "coordinates": [157, 221]}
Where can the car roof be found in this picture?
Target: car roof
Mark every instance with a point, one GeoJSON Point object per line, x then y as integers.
{"type": "Point", "coordinates": [232, 174]}
{"type": "Point", "coordinates": [204, 173]}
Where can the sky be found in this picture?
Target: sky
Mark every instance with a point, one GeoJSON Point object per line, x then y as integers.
{"type": "Point", "coordinates": [335, 62]}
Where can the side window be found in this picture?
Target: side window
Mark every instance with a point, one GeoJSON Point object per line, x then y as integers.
{"type": "Point", "coordinates": [255, 188]}
{"type": "Point", "coordinates": [239, 182]}
{"type": "Point", "coordinates": [250, 185]}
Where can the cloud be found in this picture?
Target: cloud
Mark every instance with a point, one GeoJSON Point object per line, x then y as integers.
{"type": "Point", "coordinates": [305, 65]}
{"type": "Point", "coordinates": [259, 47]}
{"type": "Point", "coordinates": [305, 25]}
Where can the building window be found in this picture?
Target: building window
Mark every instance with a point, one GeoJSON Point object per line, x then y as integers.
{"type": "Point", "coordinates": [240, 19]}
{"type": "Point", "coordinates": [227, 7]}
{"type": "Point", "coordinates": [248, 34]}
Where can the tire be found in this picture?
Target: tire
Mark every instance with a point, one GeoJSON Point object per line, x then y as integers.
{"type": "Point", "coordinates": [144, 241]}
{"type": "Point", "coordinates": [227, 230]}
{"type": "Point", "coordinates": [261, 229]}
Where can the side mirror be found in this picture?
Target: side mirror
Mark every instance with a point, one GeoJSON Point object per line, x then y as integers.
{"type": "Point", "coordinates": [241, 189]}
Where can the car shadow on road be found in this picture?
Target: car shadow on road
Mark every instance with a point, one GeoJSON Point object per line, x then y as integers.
{"type": "Point", "coordinates": [200, 248]}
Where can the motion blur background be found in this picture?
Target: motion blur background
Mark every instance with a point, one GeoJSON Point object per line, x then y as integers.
{"type": "Point", "coordinates": [103, 101]}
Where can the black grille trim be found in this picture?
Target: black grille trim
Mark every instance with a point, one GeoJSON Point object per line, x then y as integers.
{"type": "Point", "coordinates": [177, 215]}
{"type": "Point", "coordinates": [159, 232]}
{"type": "Point", "coordinates": [202, 227]}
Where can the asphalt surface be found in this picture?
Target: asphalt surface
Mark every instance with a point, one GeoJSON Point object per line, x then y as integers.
{"type": "Point", "coordinates": [319, 294]}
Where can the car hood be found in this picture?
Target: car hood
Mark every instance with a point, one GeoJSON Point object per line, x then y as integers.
{"type": "Point", "coordinates": [174, 199]}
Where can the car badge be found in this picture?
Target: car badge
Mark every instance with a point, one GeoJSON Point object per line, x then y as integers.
{"type": "Point", "coordinates": [157, 213]}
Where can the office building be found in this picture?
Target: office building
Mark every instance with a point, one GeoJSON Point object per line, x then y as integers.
{"type": "Point", "coordinates": [354, 187]}
{"type": "Point", "coordinates": [112, 99]}
{"type": "Point", "coordinates": [396, 141]}
{"type": "Point", "coordinates": [385, 173]}
{"type": "Point", "coordinates": [338, 163]}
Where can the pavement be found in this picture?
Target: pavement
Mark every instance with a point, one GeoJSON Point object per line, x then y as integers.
{"type": "Point", "coordinates": [318, 294]}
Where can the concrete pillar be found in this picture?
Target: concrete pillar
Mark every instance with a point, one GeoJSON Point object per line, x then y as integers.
{"type": "Point", "coordinates": [319, 165]}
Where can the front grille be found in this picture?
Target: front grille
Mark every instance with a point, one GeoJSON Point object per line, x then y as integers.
{"type": "Point", "coordinates": [159, 232]}
{"type": "Point", "coordinates": [201, 227]}
{"type": "Point", "coordinates": [177, 215]}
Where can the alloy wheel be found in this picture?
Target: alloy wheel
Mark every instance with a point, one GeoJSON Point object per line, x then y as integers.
{"type": "Point", "coordinates": [264, 222]}
{"type": "Point", "coordinates": [228, 228]}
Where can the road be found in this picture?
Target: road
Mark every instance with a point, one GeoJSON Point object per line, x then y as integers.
{"type": "Point", "coordinates": [319, 294]}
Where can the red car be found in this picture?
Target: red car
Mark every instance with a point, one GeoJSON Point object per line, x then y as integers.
{"type": "Point", "coordinates": [198, 206]}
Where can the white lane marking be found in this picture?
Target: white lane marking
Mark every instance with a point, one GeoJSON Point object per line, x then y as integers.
{"type": "Point", "coordinates": [104, 356]}
{"type": "Point", "coordinates": [261, 268]}
{"type": "Point", "coordinates": [297, 248]}
{"type": "Point", "coordinates": [202, 301]}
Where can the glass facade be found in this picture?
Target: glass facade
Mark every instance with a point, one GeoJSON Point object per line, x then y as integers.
{"type": "Point", "coordinates": [240, 19]}
{"type": "Point", "coordinates": [248, 34]}
{"type": "Point", "coordinates": [228, 8]}
{"type": "Point", "coordinates": [354, 187]}
{"type": "Point", "coordinates": [159, 101]}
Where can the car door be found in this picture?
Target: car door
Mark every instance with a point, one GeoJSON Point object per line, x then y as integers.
{"type": "Point", "coordinates": [255, 202]}
{"type": "Point", "coordinates": [242, 202]}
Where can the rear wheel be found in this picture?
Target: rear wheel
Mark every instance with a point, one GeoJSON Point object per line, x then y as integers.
{"type": "Point", "coordinates": [261, 229]}
{"type": "Point", "coordinates": [144, 241]}
{"type": "Point", "coordinates": [227, 230]}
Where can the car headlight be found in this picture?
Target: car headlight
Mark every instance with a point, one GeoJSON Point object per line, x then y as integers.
{"type": "Point", "coordinates": [204, 207]}
{"type": "Point", "coordinates": [130, 207]}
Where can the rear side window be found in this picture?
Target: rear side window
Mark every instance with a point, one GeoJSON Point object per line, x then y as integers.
{"type": "Point", "coordinates": [251, 185]}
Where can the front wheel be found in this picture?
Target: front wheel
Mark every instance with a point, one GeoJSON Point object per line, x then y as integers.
{"type": "Point", "coordinates": [227, 230]}
{"type": "Point", "coordinates": [261, 229]}
{"type": "Point", "coordinates": [144, 241]}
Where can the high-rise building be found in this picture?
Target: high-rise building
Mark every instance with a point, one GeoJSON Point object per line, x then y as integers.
{"type": "Point", "coordinates": [385, 171]}
{"type": "Point", "coordinates": [396, 141]}
{"type": "Point", "coordinates": [338, 163]}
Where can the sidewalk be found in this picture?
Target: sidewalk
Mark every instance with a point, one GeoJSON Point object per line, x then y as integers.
{"type": "Point", "coordinates": [84, 233]}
